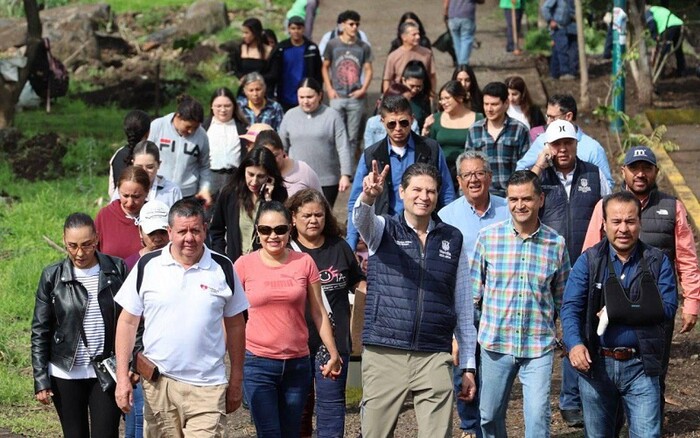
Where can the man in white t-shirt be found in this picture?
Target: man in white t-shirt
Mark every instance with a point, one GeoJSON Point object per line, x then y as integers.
{"type": "Point", "coordinates": [184, 292]}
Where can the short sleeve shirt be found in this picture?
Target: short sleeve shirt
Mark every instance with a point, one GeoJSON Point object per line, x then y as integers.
{"type": "Point", "coordinates": [347, 61]}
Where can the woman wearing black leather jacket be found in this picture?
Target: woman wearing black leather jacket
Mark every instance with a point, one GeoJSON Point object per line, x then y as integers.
{"type": "Point", "coordinates": [74, 321]}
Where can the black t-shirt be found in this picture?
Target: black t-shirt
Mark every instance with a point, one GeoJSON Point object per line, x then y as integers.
{"type": "Point", "coordinates": [339, 272]}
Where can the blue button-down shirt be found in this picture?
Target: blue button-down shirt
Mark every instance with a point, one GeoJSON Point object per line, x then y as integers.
{"type": "Point", "coordinates": [588, 149]}
{"type": "Point", "coordinates": [573, 312]}
{"type": "Point", "coordinates": [398, 165]}
{"type": "Point", "coordinates": [462, 215]}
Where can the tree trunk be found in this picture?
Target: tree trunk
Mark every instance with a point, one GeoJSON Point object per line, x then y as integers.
{"type": "Point", "coordinates": [643, 80]}
{"type": "Point", "coordinates": [584, 102]}
{"type": "Point", "coordinates": [10, 91]}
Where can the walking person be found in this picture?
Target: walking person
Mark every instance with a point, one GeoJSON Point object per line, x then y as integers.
{"type": "Point", "coordinates": [347, 73]}
{"type": "Point", "coordinates": [461, 20]}
{"type": "Point", "coordinates": [73, 327]}
{"type": "Point", "coordinates": [519, 269]}
{"type": "Point", "coordinates": [281, 284]}
{"type": "Point", "coordinates": [315, 231]}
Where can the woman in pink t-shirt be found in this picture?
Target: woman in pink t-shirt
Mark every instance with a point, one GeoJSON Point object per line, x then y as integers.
{"type": "Point", "coordinates": [279, 283]}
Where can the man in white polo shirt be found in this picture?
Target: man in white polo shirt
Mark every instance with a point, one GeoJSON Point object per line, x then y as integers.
{"type": "Point", "coordinates": [184, 292]}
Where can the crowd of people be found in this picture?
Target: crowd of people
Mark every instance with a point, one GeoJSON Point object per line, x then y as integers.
{"type": "Point", "coordinates": [492, 232]}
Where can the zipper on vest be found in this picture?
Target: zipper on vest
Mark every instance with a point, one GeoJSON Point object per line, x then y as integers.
{"type": "Point", "coordinates": [419, 306]}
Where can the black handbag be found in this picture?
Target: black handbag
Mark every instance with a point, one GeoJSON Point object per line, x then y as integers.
{"type": "Point", "coordinates": [105, 368]}
{"type": "Point", "coordinates": [444, 42]}
{"type": "Point", "coordinates": [647, 309]}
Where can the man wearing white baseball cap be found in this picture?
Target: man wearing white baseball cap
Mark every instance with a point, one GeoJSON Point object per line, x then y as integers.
{"type": "Point", "coordinates": [572, 188]}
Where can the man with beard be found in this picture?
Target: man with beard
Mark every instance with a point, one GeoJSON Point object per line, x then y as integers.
{"type": "Point", "coordinates": [617, 299]}
{"type": "Point", "coordinates": [664, 226]}
{"type": "Point", "coordinates": [572, 187]}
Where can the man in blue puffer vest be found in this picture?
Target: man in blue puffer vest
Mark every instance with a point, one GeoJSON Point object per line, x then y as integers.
{"type": "Point", "coordinates": [571, 187]}
{"type": "Point", "coordinates": [417, 298]}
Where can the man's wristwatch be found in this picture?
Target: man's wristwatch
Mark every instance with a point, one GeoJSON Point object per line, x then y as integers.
{"type": "Point", "coordinates": [469, 370]}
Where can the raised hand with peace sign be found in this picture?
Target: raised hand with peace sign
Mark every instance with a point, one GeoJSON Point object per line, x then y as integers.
{"type": "Point", "coordinates": [373, 183]}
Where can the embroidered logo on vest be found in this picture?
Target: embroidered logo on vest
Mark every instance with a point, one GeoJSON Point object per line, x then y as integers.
{"type": "Point", "coordinates": [662, 212]}
{"type": "Point", "coordinates": [445, 250]}
{"type": "Point", "coordinates": [583, 186]}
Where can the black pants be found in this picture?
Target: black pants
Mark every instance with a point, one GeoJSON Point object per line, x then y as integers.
{"type": "Point", "coordinates": [73, 400]}
{"type": "Point", "coordinates": [331, 193]}
{"type": "Point", "coordinates": [671, 36]}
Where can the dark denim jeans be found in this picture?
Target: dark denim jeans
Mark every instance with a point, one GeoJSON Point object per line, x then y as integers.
{"type": "Point", "coordinates": [610, 380]}
{"type": "Point", "coordinates": [569, 398]}
{"type": "Point", "coordinates": [329, 401]}
{"type": "Point", "coordinates": [276, 390]}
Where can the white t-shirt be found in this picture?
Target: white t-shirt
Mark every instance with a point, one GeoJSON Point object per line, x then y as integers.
{"type": "Point", "coordinates": [224, 145]}
{"type": "Point", "coordinates": [183, 312]}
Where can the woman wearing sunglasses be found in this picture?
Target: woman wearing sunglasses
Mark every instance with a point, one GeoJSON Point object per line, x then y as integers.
{"type": "Point", "coordinates": [279, 284]}
{"type": "Point", "coordinates": [257, 179]}
{"type": "Point", "coordinates": [317, 233]}
{"type": "Point", "coordinates": [315, 134]}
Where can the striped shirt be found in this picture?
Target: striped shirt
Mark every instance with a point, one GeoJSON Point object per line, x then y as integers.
{"type": "Point", "coordinates": [521, 282]}
{"type": "Point", "coordinates": [93, 323]}
{"type": "Point", "coordinates": [504, 151]}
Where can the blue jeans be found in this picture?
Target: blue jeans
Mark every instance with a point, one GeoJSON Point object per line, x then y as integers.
{"type": "Point", "coordinates": [462, 30]}
{"type": "Point", "coordinates": [497, 375]}
{"type": "Point", "coordinates": [569, 397]}
{"type": "Point", "coordinates": [133, 421]}
{"type": "Point", "coordinates": [330, 400]}
{"type": "Point", "coordinates": [610, 380]}
{"type": "Point", "coordinates": [469, 420]}
{"type": "Point", "coordinates": [564, 59]}
{"type": "Point", "coordinates": [276, 390]}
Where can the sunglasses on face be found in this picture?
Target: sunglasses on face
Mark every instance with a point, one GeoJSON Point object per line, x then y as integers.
{"type": "Point", "coordinates": [266, 230]}
{"type": "Point", "coordinates": [404, 123]}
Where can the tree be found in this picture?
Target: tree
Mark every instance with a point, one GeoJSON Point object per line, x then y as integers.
{"type": "Point", "coordinates": [641, 71]}
{"type": "Point", "coordinates": [10, 91]}
{"type": "Point", "coordinates": [584, 102]}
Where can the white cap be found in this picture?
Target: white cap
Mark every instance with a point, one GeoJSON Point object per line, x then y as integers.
{"type": "Point", "coordinates": [559, 129]}
{"type": "Point", "coordinates": [153, 216]}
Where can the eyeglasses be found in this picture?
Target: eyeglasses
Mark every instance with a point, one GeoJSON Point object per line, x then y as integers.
{"type": "Point", "coordinates": [480, 174]}
{"type": "Point", "coordinates": [404, 123]}
{"type": "Point", "coordinates": [85, 247]}
{"type": "Point", "coordinates": [266, 230]}
{"type": "Point", "coordinates": [555, 117]}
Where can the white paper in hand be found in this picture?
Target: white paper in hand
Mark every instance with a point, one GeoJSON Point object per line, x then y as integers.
{"type": "Point", "coordinates": [603, 322]}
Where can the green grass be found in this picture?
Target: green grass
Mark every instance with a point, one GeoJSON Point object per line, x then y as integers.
{"type": "Point", "coordinates": [40, 211]}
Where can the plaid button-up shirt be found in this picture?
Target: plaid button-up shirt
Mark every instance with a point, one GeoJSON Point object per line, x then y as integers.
{"type": "Point", "coordinates": [271, 113]}
{"type": "Point", "coordinates": [504, 151]}
{"type": "Point", "coordinates": [521, 283]}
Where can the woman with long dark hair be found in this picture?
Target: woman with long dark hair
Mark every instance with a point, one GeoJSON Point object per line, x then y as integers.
{"type": "Point", "coordinates": [74, 325]}
{"type": "Point", "coordinates": [280, 285]}
{"type": "Point", "coordinates": [415, 76]}
{"type": "Point", "coordinates": [224, 126]}
{"type": "Point", "coordinates": [520, 106]}
{"type": "Point", "coordinates": [466, 76]}
{"type": "Point", "coordinates": [256, 180]}
{"type": "Point", "coordinates": [252, 53]}
{"type": "Point", "coordinates": [315, 231]}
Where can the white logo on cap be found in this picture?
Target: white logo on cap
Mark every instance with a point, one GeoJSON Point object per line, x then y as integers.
{"type": "Point", "coordinates": [640, 153]}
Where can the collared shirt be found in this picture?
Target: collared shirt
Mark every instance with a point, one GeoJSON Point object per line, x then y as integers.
{"type": "Point", "coordinates": [271, 113]}
{"type": "Point", "coordinates": [686, 254]}
{"type": "Point", "coordinates": [184, 311]}
{"type": "Point", "coordinates": [573, 314]}
{"type": "Point", "coordinates": [568, 180]}
{"type": "Point", "coordinates": [504, 151]}
{"type": "Point", "coordinates": [521, 281]}
{"type": "Point", "coordinates": [371, 228]}
{"type": "Point", "coordinates": [398, 165]}
{"type": "Point", "coordinates": [588, 149]}
{"type": "Point", "coordinates": [462, 215]}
